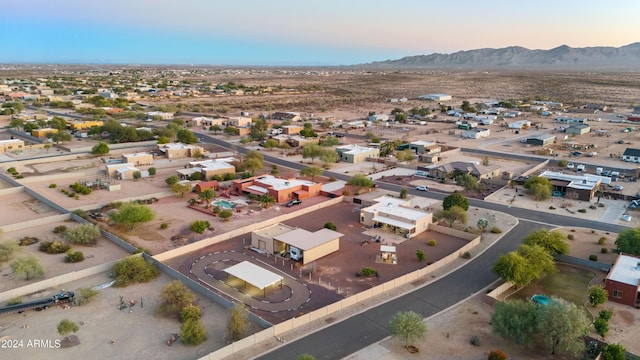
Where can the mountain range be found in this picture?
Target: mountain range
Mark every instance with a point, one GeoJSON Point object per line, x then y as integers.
{"type": "Point", "coordinates": [516, 57]}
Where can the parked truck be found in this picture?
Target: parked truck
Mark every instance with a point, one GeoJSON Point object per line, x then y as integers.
{"type": "Point", "coordinates": [295, 253]}
{"type": "Point", "coordinates": [40, 304]}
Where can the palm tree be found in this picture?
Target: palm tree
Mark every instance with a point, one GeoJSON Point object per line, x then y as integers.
{"type": "Point", "coordinates": [207, 195]}
{"type": "Point", "coordinates": [266, 200]}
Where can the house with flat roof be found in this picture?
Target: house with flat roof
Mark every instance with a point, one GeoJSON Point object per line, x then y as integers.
{"type": "Point", "coordinates": [178, 150]}
{"type": "Point", "coordinates": [541, 140]}
{"type": "Point", "coordinates": [42, 133]}
{"type": "Point", "coordinates": [281, 189]}
{"type": "Point", "coordinates": [476, 133]}
{"type": "Point", "coordinates": [396, 215]}
{"type": "Point", "coordinates": [579, 187]}
{"type": "Point", "coordinates": [138, 159]}
{"type": "Point", "coordinates": [520, 124]}
{"type": "Point", "coordinates": [112, 169]}
{"type": "Point", "coordinates": [279, 238]}
{"type": "Point", "coordinates": [354, 154]}
{"type": "Point", "coordinates": [623, 281]}
{"type": "Point", "coordinates": [424, 147]}
{"type": "Point", "coordinates": [578, 129]}
{"type": "Point", "coordinates": [11, 145]}
{"type": "Point", "coordinates": [570, 120]}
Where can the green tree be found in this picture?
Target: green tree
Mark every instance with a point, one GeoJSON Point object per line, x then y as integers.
{"type": "Point", "coordinates": [238, 323]}
{"type": "Point", "coordinates": [312, 171]}
{"type": "Point", "coordinates": [270, 144]}
{"type": "Point", "coordinates": [329, 225]}
{"type": "Point", "coordinates": [206, 196]}
{"type": "Point", "coordinates": [137, 175]}
{"type": "Point", "coordinates": [403, 193]}
{"type": "Point", "coordinates": [628, 241]}
{"type": "Point", "coordinates": [329, 156]}
{"type": "Point", "coordinates": [83, 234]}
{"type": "Point", "coordinates": [7, 250]}
{"type": "Point", "coordinates": [360, 181]}
{"type": "Point", "coordinates": [181, 188]}
{"type": "Point", "coordinates": [388, 147]}
{"type": "Point", "coordinates": [562, 326]}
{"type": "Point", "coordinates": [231, 131]}
{"type": "Point", "coordinates": [554, 242]}
{"type": "Point", "coordinates": [597, 295]}
{"type": "Point", "coordinates": [331, 141]}
{"type": "Point", "coordinates": [455, 199]}
{"type": "Point", "coordinates": [311, 150]}
{"type": "Point", "coordinates": [407, 326]}
{"type": "Point", "coordinates": [174, 298]}
{"type": "Point", "coordinates": [66, 327]}
{"type": "Point", "coordinates": [515, 320]}
{"type": "Point", "coordinates": [420, 255]}
{"type": "Point", "coordinates": [190, 312]}
{"type": "Point", "coordinates": [192, 332]}
{"type": "Point", "coordinates": [172, 180]}
{"type": "Point", "coordinates": [614, 352]}
{"type": "Point", "coordinates": [514, 268]}
{"type": "Point", "coordinates": [199, 226]}
{"type": "Point", "coordinates": [133, 269]}
{"type": "Point", "coordinates": [152, 171]}
{"type": "Point", "coordinates": [27, 267]}
{"type": "Point", "coordinates": [539, 187]}
{"type": "Point", "coordinates": [215, 128]}
{"type": "Point", "coordinates": [468, 181]}
{"type": "Point", "coordinates": [563, 163]}
{"type": "Point", "coordinates": [61, 136]}
{"type": "Point", "coordinates": [405, 155]}
{"type": "Point", "coordinates": [451, 215]}
{"type": "Point", "coordinates": [131, 213]}
{"type": "Point", "coordinates": [100, 149]}
{"type": "Point", "coordinates": [185, 136]}
{"type": "Point", "coordinates": [252, 164]}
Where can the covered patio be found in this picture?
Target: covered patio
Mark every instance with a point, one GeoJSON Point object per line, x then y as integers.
{"type": "Point", "coordinates": [254, 275]}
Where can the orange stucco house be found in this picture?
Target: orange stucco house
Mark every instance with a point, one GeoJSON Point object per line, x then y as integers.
{"type": "Point", "coordinates": [281, 189]}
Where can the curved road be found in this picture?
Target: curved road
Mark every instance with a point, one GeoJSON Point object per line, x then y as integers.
{"type": "Point", "coordinates": [359, 331]}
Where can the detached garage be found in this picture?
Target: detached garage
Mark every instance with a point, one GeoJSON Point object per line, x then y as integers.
{"type": "Point", "coordinates": [542, 140]}
{"type": "Point", "coordinates": [313, 245]}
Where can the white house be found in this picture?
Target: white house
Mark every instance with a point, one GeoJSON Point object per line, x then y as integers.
{"type": "Point", "coordinates": [476, 133]}
{"type": "Point", "coordinates": [435, 97]}
{"type": "Point", "coordinates": [521, 124]}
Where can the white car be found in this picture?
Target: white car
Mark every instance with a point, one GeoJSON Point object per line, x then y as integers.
{"type": "Point", "coordinates": [570, 166]}
{"type": "Point", "coordinates": [422, 188]}
{"type": "Point", "coordinates": [618, 187]}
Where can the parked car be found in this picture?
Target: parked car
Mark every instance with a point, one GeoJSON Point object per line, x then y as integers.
{"type": "Point", "coordinates": [294, 202]}
{"type": "Point", "coordinates": [338, 135]}
{"type": "Point", "coordinates": [618, 187]}
{"type": "Point", "coordinates": [422, 188]}
{"type": "Point", "coordinates": [421, 173]}
{"type": "Point", "coordinates": [570, 166]}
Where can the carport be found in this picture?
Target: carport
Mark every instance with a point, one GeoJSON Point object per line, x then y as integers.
{"type": "Point", "coordinates": [254, 275]}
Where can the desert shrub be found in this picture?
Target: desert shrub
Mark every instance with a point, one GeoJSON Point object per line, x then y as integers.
{"type": "Point", "coordinates": [54, 247]}
{"type": "Point", "coordinates": [73, 256]}
{"type": "Point", "coordinates": [60, 229]}
{"type": "Point", "coordinates": [84, 296]}
{"type": "Point", "coordinates": [52, 186]}
{"type": "Point", "coordinates": [14, 301]}
{"type": "Point", "coordinates": [605, 314]}
{"type": "Point", "coordinates": [466, 255]}
{"type": "Point", "coordinates": [133, 269]}
{"type": "Point", "coordinates": [552, 207]}
{"type": "Point", "coordinates": [602, 326]}
{"type": "Point", "coordinates": [192, 332]}
{"type": "Point", "coordinates": [83, 234]}
{"type": "Point", "coordinates": [571, 237]}
{"type": "Point", "coordinates": [346, 193]}
{"type": "Point", "coordinates": [7, 250]}
{"type": "Point", "coordinates": [164, 226]}
{"type": "Point", "coordinates": [497, 355]}
{"type": "Point", "coordinates": [604, 250]}
{"type": "Point", "coordinates": [199, 226]}
{"type": "Point", "coordinates": [474, 340]}
{"type": "Point", "coordinates": [593, 257]}
{"type": "Point", "coordinates": [190, 312]}
{"type": "Point", "coordinates": [80, 189]}
{"type": "Point", "coordinates": [225, 214]}
{"type": "Point", "coordinates": [175, 297]}
{"type": "Point", "coordinates": [367, 271]}
{"type": "Point", "coordinates": [602, 240]}
{"type": "Point", "coordinates": [331, 226]}
{"type": "Point", "coordinates": [573, 230]}
{"type": "Point", "coordinates": [66, 327]}
{"type": "Point", "coordinates": [420, 255]}
{"type": "Point", "coordinates": [82, 213]}
{"type": "Point", "coordinates": [12, 170]}
{"type": "Point", "coordinates": [431, 242]}
{"type": "Point", "coordinates": [28, 240]}
{"type": "Point", "coordinates": [582, 211]}
{"type": "Point", "coordinates": [496, 230]}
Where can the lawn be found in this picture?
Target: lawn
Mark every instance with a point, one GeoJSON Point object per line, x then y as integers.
{"type": "Point", "coordinates": [569, 283]}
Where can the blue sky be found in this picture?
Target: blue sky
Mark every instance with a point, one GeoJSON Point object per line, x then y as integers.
{"type": "Point", "coordinates": [303, 32]}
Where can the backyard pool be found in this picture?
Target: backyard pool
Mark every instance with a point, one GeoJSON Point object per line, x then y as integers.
{"type": "Point", "coordinates": [541, 299]}
{"type": "Point", "coordinates": [224, 204]}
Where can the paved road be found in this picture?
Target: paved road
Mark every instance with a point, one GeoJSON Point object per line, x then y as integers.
{"type": "Point", "coordinates": [364, 329]}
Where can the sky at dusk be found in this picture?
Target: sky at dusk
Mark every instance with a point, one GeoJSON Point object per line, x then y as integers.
{"type": "Point", "coordinates": [303, 32]}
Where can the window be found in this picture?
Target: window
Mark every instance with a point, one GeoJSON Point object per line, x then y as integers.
{"type": "Point", "coordinates": [617, 294]}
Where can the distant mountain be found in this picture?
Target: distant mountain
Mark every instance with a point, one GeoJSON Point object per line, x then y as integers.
{"type": "Point", "coordinates": [516, 57]}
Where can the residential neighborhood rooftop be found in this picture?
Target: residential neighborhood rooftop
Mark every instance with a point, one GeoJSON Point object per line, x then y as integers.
{"type": "Point", "coordinates": [626, 270]}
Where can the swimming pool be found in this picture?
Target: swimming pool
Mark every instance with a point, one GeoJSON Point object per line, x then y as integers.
{"type": "Point", "coordinates": [541, 299]}
{"type": "Point", "coordinates": [224, 204]}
